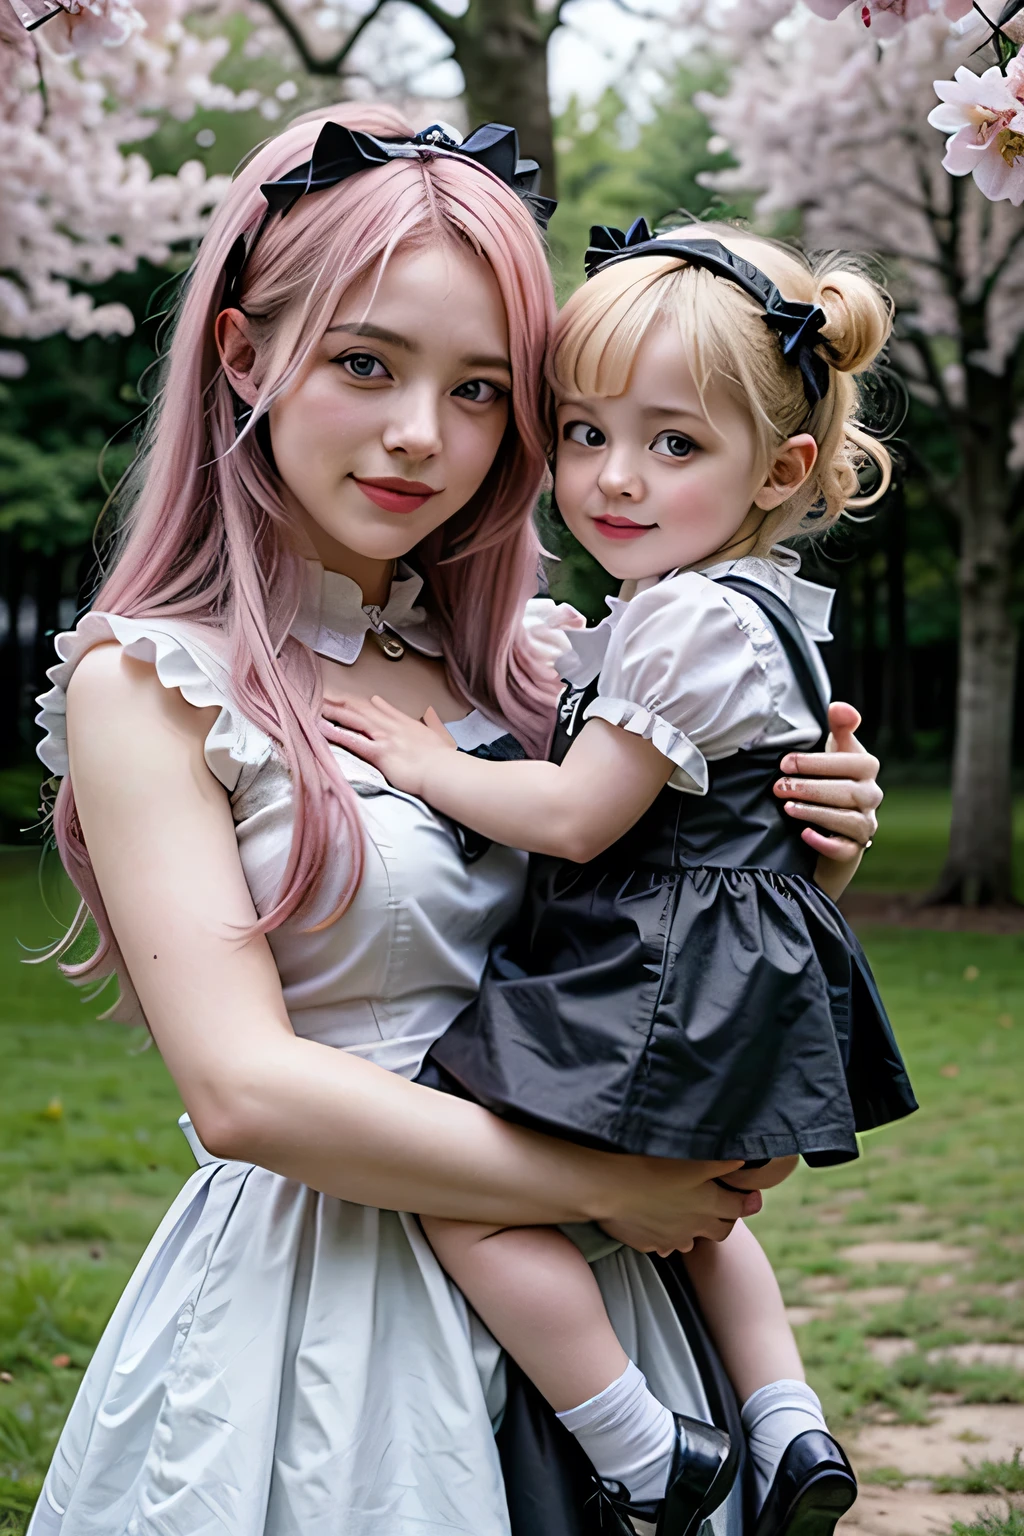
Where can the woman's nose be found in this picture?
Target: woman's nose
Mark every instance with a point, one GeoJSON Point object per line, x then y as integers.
{"type": "Point", "coordinates": [415, 426]}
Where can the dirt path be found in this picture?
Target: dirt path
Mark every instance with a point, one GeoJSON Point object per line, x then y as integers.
{"type": "Point", "coordinates": [957, 1437]}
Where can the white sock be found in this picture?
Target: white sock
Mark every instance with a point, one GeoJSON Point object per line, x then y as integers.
{"type": "Point", "coordinates": [628, 1435]}
{"type": "Point", "coordinates": [773, 1416]}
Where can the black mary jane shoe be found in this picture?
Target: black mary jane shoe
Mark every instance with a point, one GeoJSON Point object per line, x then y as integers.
{"type": "Point", "coordinates": [702, 1473]}
{"type": "Point", "coordinates": [812, 1489]}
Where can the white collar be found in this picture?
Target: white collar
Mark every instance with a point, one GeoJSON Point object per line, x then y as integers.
{"type": "Point", "coordinates": [333, 620]}
{"type": "Point", "coordinates": [811, 603]}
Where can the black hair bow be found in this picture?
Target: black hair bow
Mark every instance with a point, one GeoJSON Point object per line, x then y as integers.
{"type": "Point", "coordinates": [797, 325]}
{"type": "Point", "coordinates": [341, 152]}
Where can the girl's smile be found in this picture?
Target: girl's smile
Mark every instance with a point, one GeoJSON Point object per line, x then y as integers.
{"type": "Point", "coordinates": [621, 527]}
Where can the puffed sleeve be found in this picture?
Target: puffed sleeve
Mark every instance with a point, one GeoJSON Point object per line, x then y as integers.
{"type": "Point", "coordinates": [684, 671]}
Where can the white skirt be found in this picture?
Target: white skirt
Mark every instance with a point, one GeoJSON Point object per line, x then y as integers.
{"type": "Point", "coordinates": [283, 1363]}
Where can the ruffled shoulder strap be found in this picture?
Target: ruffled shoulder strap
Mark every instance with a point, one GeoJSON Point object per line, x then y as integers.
{"type": "Point", "coordinates": [187, 657]}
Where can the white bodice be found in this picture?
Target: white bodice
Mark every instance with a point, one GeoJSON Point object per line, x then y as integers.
{"type": "Point", "coordinates": [389, 976]}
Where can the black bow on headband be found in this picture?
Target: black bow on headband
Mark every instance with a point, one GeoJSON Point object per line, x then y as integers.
{"type": "Point", "coordinates": [342, 152]}
{"type": "Point", "coordinates": [798, 325]}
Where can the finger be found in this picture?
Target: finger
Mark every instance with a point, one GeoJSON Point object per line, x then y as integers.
{"type": "Point", "coordinates": [831, 765]}
{"type": "Point", "coordinates": [346, 711]}
{"type": "Point", "coordinates": [839, 848]}
{"type": "Point", "coordinates": [388, 709]}
{"type": "Point", "coordinates": [703, 1172]}
{"type": "Point", "coordinates": [352, 741]}
{"type": "Point", "coordinates": [842, 794]}
{"type": "Point", "coordinates": [432, 720]}
{"type": "Point", "coordinates": [861, 826]}
{"type": "Point", "coordinates": [843, 720]}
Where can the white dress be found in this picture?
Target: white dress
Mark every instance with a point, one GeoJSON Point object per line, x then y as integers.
{"type": "Point", "coordinates": [284, 1363]}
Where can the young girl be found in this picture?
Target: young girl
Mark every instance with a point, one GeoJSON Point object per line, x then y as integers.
{"type": "Point", "coordinates": [675, 984]}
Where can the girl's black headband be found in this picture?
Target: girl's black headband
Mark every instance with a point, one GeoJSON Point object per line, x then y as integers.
{"type": "Point", "coordinates": [798, 325]}
{"type": "Point", "coordinates": [342, 152]}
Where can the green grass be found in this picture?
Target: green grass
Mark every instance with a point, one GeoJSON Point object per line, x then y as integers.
{"type": "Point", "coordinates": [90, 1157]}
{"type": "Point", "coordinates": [908, 852]}
{"type": "Point", "coordinates": [992, 1525]}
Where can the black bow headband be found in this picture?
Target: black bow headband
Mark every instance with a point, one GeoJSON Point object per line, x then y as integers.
{"type": "Point", "coordinates": [342, 152]}
{"type": "Point", "coordinates": [798, 325]}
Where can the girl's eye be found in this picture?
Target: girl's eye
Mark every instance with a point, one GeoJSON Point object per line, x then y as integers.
{"type": "Point", "coordinates": [362, 365]}
{"type": "Point", "coordinates": [480, 391]}
{"type": "Point", "coordinates": [582, 432]}
{"type": "Point", "coordinates": [673, 445]}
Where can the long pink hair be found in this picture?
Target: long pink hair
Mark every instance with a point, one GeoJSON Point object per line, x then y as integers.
{"type": "Point", "coordinates": [205, 536]}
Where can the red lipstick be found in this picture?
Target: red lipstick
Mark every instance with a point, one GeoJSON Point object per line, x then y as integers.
{"type": "Point", "coordinates": [621, 527]}
{"type": "Point", "coordinates": [394, 494]}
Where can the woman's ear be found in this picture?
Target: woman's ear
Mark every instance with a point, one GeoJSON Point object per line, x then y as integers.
{"type": "Point", "coordinates": [237, 353]}
{"type": "Point", "coordinates": [788, 470]}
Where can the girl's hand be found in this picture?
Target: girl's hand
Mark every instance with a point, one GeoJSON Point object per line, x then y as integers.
{"type": "Point", "coordinates": [836, 789]}
{"type": "Point", "coordinates": [400, 747]}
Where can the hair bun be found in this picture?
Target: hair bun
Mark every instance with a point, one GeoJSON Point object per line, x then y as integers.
{"type": "Point", "coordinates": [858, 319]}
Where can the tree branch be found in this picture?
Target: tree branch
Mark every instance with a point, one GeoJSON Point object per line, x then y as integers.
{"type": "Point", "coordinates": [330, 65]}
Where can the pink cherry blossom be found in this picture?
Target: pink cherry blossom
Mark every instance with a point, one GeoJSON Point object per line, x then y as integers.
{"type": "Point", "coordinates": [886, 17]}
{"type": "Point", "coordinates": [984, 116]}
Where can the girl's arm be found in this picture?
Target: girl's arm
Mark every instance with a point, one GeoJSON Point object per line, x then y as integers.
{"type": "Point", "coordinates": [571, 810]}
{"type": "Point", "coordinates": [159, 830]}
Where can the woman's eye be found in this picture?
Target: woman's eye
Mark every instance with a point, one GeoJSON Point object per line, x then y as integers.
{"type": "Point", "coordinates": [583, 432]}
{"type": "Point", "coordinates": [480, 391]}
{"type": "Point", "coordinates": [362, 365]}
{"type": "Point", "coordinates": [673, 445]}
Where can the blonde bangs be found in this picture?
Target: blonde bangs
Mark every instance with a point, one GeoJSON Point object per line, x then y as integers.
{"type": "Point", "coordinates": [602, 326]}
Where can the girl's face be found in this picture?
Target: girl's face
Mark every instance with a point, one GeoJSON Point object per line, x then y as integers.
{"type": "Point", "coordinates": [654, 479]}
{"type": "Point", "coordinates": [397, 419]}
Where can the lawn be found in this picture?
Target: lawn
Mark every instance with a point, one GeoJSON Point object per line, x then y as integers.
{"type": "Point", "coordinates": [905, 1266]}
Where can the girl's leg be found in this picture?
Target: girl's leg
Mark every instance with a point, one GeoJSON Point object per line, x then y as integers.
{"type": "Point", "coordinates": [536, 1293]}
{"type": "Point", "coordinates": [743, 1307]}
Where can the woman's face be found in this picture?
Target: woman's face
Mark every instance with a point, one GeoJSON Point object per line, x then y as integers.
{"type": "Point", "coordinates": [397, 419]}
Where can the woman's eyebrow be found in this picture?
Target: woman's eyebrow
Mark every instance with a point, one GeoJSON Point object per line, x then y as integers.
{"type": "Point", "coordinates": [487, 362]}
{"type": "Point", "coordinates": [374, 333]}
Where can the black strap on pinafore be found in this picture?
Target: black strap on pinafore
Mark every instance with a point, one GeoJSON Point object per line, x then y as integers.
{"type": "Point", "coordinates": [792, 639]}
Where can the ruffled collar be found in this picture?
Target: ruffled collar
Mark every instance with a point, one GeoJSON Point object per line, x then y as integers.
{"type": "Point", "coordinates": [333, 620]}
{"type": "Point", "coordinates": [811, 603]}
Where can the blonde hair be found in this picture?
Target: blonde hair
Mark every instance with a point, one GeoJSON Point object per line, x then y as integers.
{"type": "Point", "coordinates": [724, 336]}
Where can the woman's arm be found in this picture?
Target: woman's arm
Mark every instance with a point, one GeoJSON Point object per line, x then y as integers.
{"type": "Point", "coordinates": [570, 810]}
{"type": "Point", "coordinates": [160, 834]}
{"type": "Point", "coordinates": [838, 790]}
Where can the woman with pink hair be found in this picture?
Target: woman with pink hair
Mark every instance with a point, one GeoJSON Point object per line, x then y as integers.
{"type": "Point", "coordinates": [334, 499]}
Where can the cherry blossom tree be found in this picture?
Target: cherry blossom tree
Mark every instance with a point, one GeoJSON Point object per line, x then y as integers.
{"type": "Point", "coordinates": [822, 120]}
{"type": "Point", "coordinates": [78, 202]}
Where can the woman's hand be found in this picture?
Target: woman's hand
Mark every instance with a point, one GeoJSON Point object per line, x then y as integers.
{"type": "Point", "coordinates": [836, 789]}
{"type": "Point", "coordinates": [668, 1203]}
{"type": "Point", "coordinates": [398, 746]}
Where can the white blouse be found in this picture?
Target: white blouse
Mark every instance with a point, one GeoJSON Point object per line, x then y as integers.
{"type": "Point", "coordinates": [695, 667]}
{"type": "Point", "coordinates": [392, 973]}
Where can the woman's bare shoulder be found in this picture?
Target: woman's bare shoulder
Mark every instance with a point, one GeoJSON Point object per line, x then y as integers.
{"type": "Point", "coordinates": [120, 710]}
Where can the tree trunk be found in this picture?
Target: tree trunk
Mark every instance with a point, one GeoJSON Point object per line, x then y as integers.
{"type": "Point", "coordinates": [897, 734]}
{"type": "Point", "coordinates": [501, 47]}
{"type": "Point", "coordinates": [978, 869]}
{"type": "Point", "coordinates": [979, 864]}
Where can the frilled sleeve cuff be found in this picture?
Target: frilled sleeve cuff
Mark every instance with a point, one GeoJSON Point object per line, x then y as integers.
{"type": "Point", "coordinates": [690, 771]}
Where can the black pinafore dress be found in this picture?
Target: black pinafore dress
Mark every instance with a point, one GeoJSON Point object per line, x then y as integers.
{"type": "Point", "coordinates": [691, 992]}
